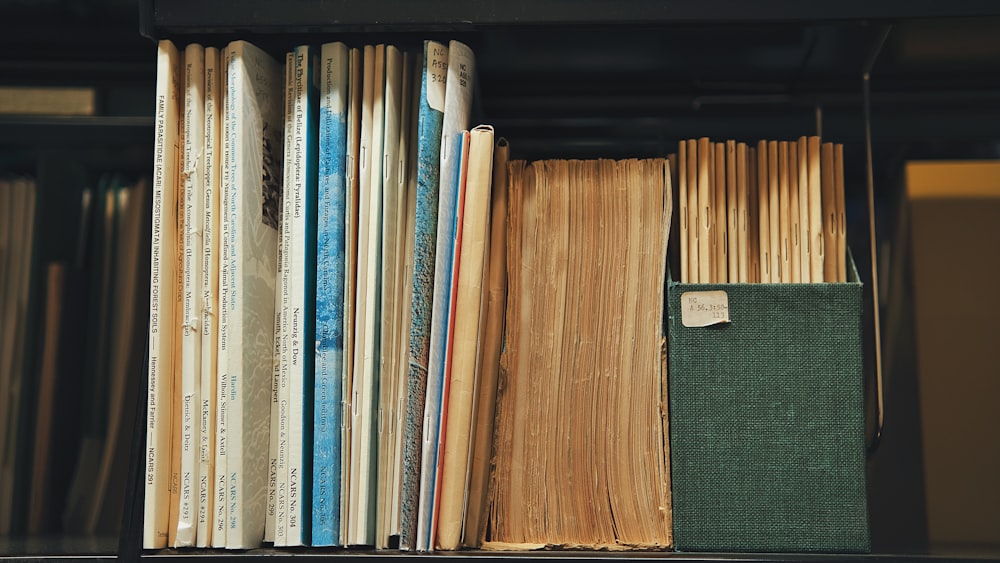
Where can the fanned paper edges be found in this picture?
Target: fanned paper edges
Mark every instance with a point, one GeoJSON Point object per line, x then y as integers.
{"type": "Point", "coordinates": [586, 262]}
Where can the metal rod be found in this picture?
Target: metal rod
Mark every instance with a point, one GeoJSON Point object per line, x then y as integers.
{"type": "Point", "coordinates": [866, 96]}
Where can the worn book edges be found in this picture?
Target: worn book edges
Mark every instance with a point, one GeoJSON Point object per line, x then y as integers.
{"type": "Point", "coordinates": [161, 310]}
{"type": "Point", "coordinates": [429, 124]}
{"type": "Point", "coordinates": [330, 272]}
{"type": "Point", "coordinates": [586, 263]}
{"type": "Point", "coordinates": [254, 126]}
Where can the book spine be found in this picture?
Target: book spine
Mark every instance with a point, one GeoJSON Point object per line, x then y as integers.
{"type": "Point", "coordinates": [221, 516]}
{"type": "Point", "coordinates": [279, 410]}
{"type": "Point", "coordinates": [458, 101]}
{"type": "Point", "coordinates": [194, 106]}
{"type": "Point", "coordinates": [157, 454]}
{"type": "Point", "coordinates": [258, 152]}
{"type": "Point", "coordinates": [210, 300]}
{"type": "Point", "coordinates": [303, 279]}
{"type": "Point", "coordinates": [354, 130]}
{"type": "Point", "coordinates": [330, 272]}
{"type": "Point", "coordinates": [470, 243]}
{"type": "Point", "coordinates": [389, 158]}
{"type": "Point", "coordinates": [429, 124]}
{"type": "Point", "coordinates": [234, 360]}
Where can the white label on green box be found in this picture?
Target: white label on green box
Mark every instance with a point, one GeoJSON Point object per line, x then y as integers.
{"type": "Point", "coordinates": [704, 308]}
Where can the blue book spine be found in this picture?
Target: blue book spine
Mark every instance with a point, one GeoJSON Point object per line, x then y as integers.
{"type": "Point", "coordinates": [429, 125]}
{"type": "Point", "coordinates": [330, 264]}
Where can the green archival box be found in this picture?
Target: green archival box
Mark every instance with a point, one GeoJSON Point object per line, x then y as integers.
{"type": "Point", "coordinates": [767, 420]}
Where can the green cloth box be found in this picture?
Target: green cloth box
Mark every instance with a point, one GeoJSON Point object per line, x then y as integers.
{"type": "Point", "coordinates": [767, 420]}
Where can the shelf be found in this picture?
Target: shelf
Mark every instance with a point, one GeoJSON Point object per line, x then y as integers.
{"type": "Point", "coordinates": [185, 556]}
{"type": "Point", "coordinates": [75, 130]}
{"type": "Point", "coordinates": [170, 17]}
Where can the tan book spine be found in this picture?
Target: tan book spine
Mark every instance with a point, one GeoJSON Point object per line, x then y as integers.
{"type": "Point", "coordinates": [802, 166]}
{"type": "Point", "coordinates": [753, 219]}
{"type": "Point", "coordinates": [161, 321]}
{"type": "Point", "coordinates": [742, 216]}
{"type": "Point", "coordinates": [784, 215]}
{"type": "Point", "coordinates": [463, 379]}
{"type": "Point", "coordinates": [794, 241]}
{"type": "Point", "coordinates": [815, 212]}
{"type": "Point", "coordinates": [838, 174]}
{"type": "Point", "coordinates": [732, 215]}
{"type": "Point", "coordinates": [774, 212]}
{"type": "Point", "coordinates": [683, 217]}
{"type": "Point", "coordinates": [829, 213]}
{"type": "Point", "coordinates": [721, 222]}
{"type": "Point", "coordinates": [492, 346]}
{"type": "Point", "coordinates": [705, 215]}
{"type": "Point", "coordinates": [764, 213]}
{"type": "Point", "coordinates": [694, 230]}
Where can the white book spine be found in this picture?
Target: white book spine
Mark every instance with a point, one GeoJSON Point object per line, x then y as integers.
{"type": "Point", "coordinates": [192, 174]}
{"type": "Point", "coordinates": [284, 289]}
{"type": "Point", "coordinates": [210, 300]}
{"type": "Point", "coordinates": [298, 344]}
{"type": "Point", "coordinates": [221, 480]}
{"type": "Point", "coordinates": [161, 314]}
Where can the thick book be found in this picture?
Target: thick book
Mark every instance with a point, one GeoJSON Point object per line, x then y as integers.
{"type": "Point", "coordinates": [210, 296]}
{"type": "Point", "coordinates": [464, 350]}
{"type": "Point", "coordinates": [254, 127]}
{"type": "Point", "coordinates": [193, 170]}
{"type": "Point", "coordinates": [429, 123]}
{"type": "Point", "coordinates": [330, 272]}
{"type": "Point", "coordinates": [458, 106]}
{"type": "Point", "coordinates": [161, 309]}
{"type": "Point", "coordinates": [581, 456]}
{"type": "Point", "coordinates": [302, 295]}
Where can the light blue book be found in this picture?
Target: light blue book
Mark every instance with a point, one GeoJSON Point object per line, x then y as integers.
{"type": "Point", "coordinates": [330, 263]}
{"type": "Point", "coordinates": [458, 104]}
{"type": "Point", "coordinates": [429, 124]}
{"type": "Point", "coordinates": [303, 294]}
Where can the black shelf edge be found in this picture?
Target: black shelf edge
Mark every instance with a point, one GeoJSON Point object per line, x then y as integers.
{"type": "Point", "coordinates": [166, 18]}
{"type": "Point", "coordinates": [75, 130]}
{"type": "Point", "coordinates": [545, 556]}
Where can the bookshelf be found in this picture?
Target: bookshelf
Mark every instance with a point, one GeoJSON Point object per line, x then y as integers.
{"type": "Point", "coordinates": [564, 78]}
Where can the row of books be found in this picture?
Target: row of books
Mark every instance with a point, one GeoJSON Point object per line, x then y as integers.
{"type": "Point", "coordinates": [72, 306]}
{"type": "Point", "coordinates": [770, 214]}
{"type": "Point", "coordinates": [307, 308]}
{"type": "Point", "coordinates": [337, 354]}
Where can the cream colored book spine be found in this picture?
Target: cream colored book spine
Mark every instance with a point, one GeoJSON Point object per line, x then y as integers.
{"type": "Point", "coordinates": [210, 299]}
{"type": "Point", "coordinates": [682, 196]}
{"type": "Point", "coordinates": [705, 216]}
{"type": "Point", "coordinates": [721, 206]}
{"type": "Point", "coordinates": [193, 178]}
{"type": "Point", "coordinates": [732, 215]}
{"type": "Point", "coordinates": [743, 215]}
{"type": "Point", "coordinates": [161, 310]}
{"type": "Point", "coordinates": [784, 215]}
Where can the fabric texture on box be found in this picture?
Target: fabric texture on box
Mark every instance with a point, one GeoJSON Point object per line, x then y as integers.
{"type": "Point", "coordinates": [767, 421]}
